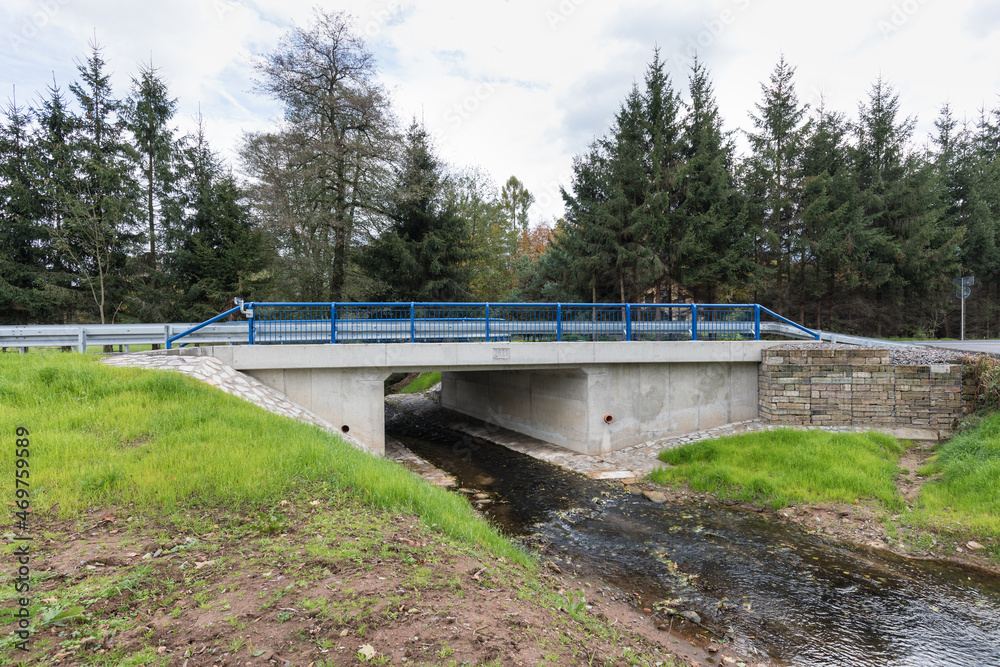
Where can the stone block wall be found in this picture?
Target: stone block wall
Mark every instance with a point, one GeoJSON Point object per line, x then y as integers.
{"type": "Point", "coordinates": [859, 387]}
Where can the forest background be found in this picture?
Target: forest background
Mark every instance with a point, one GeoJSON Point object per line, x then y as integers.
{"type": "Point", "coordinates": [842, 221]}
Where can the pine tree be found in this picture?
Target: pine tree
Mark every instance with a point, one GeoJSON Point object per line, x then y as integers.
{"type": "Point", "coordinates": [657, 222]}
{"type": "Point", "coordinates": [149, 110]}
{"type": "Point", "coordinates": [836, 245]}
{"type": "Point", "coordinates": [423, 254]}
{"type": "Point", "coordinates": [773, 176]}
{"type": "Point", "coordinates": [23, 238]}
{"type": "Point", "coordinates": [899, 192]}
{"type": "Point", "coordinates": [99, 227]}
{"type": "Point", "coordinates": [215, 251]}
{"type": "Point", "coordinates": [714, 249]}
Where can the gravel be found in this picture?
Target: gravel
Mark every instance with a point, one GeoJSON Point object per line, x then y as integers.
{"type": "Point", "coordinates": [899, 355]}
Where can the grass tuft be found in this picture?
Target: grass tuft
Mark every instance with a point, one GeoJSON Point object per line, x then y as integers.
{"type": "Point", "coordinates": [965, 491]}
{"type": "Point", "coordinates": [157, 439]}
{"type": "Point", "coordinates": [784, 466]}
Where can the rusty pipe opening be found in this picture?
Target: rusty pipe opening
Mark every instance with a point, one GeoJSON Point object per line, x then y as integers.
{"type": "Point", "coordinates": [608, 419]}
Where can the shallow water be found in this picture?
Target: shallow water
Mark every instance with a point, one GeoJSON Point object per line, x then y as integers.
{"type": "Point", "coordinates": [797, 598]}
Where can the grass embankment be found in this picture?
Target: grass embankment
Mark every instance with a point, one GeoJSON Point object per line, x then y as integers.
{"type": "Point", "coordinates": [959, 496]}
{"type": "Point", "coordinates": [114, 436]}
{"type": "Point", "coordinates": [422, 382]}
{"type": "Point", "coordinates": [781, 467]}
{"type": "Point", "coordinates": [176, 524]}
{"type": "Point", "coordinates": [964, 491]}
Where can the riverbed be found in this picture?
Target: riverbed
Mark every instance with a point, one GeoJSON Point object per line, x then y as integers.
{"type": "Point", "coordinates": [769, 589]}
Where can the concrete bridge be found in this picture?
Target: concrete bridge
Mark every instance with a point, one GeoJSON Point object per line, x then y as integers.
{"type": "Point", "coordinates": [589, 377]}
{"type": "Point", "coordinates": [588, 397]}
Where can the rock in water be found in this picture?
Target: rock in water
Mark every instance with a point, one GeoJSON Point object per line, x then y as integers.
{"type": "Point", "coordinates": [691, 616]}
{"type": "Point", "coordinates": [655, 496]}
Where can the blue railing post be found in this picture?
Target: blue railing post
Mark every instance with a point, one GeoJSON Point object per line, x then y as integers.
{"type": "Point", "coordinates": [628, 321]}
{"type": "Point", "coordinates": [756, 321]}
{"type": "Point", "coordinates": [413, 323]}
{"type": "Point", "coordinates": [558, 322]}
{"type": "Point", "coordinates": [487, 322]}
{"type": "Point", "coordinates": [694, 322]}
{"type": "Point", "coordinates": [250, 327]}
{"type": "Point", "coordinates": [333, 323]}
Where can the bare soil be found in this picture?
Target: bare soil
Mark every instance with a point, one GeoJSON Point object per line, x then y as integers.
{"type": "Point", "coordinates": [319, 579]}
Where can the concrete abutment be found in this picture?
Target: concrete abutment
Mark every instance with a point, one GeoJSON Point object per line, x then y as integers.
{"type": "Point", "coordinates": [597, 409]}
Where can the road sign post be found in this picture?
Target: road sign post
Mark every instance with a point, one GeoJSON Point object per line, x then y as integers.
{"type": "Point", "coordinates": [964, 284]}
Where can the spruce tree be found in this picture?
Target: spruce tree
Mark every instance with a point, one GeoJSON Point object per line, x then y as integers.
{"type": "Point", "coordinates": [715, 250]}
{"type": "Point", "coordinates": [149, 110]}
{"type": "Point", "coordinates": [424, 252]}
{"type": "Point", "coordinates": [773, 177]}
{"type": "Point", "coordinates": [99, 224]}
{"type": "Point", "coordinates": [23, 238]}
{"type": "Point", "coordinates": [899, 193]}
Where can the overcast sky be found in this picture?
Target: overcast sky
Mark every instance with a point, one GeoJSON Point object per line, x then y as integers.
{"type": "Point", "coordinates": [521, 86]}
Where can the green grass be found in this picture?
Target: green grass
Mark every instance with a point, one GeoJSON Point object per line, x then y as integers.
{"type": "Point", "coordinates": [105, 436]}
{"type": "Point", "coordinates": [965, 493]}
{"type": "Point", "coordinates": [422, 382]}
{"type": "Point", "coordinates": [784, 466]}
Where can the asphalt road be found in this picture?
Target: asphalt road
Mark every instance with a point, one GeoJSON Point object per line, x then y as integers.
{"type": "Point", "coordinates": [987, 346]}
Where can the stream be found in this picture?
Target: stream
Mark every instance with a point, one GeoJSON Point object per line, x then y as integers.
{"type": "Point", "coordinates": [786, 595]}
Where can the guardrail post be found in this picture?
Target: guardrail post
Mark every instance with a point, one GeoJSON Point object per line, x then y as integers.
{"type": "Point", "coordinates": [250, 327]}
{"type": "Point", "coordinates": [756, 321]}
{"type": "Point", "coordinates": [82, 340]}
{"type": "Point", "coordinates": [694, 322]}
{"type": "Point", "coordinates": [628, 321]}
{"type": "Point", "coordinates": [559, 322]}
{"type": "Point", "coordinates": [413, 323]}
{"type": "Point", "coordinates": [333, 323]}
{"type": "Point", "coordinates": [487, 322]}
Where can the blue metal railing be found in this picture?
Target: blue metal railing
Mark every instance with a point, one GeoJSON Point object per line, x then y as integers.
{"type": "Point", "coordinates": [295, 322]}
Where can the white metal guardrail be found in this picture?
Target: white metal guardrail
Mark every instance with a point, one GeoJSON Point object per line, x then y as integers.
{"type": "Point", "coordinates": [93, 335]}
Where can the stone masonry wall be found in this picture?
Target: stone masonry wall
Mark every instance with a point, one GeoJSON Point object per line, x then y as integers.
{"type": "Point", "coordinates": [859, 387]}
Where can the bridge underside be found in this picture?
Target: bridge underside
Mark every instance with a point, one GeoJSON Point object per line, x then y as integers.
{"type": "Point", "coordinates": [589, 397]}
{"type": "Point", "coordinates": [602, 408]}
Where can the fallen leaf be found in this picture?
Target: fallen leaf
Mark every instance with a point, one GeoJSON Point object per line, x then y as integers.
{"type": "Point", "coordinates": [367, 652]}
{"type": "Point", "coordinates": [202, 564]}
